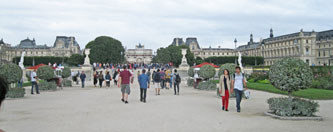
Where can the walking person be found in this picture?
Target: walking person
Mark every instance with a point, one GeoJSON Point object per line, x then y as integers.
{"type": "Point", "coordinates": [108, 79]}
{"type": "Point", "coordinates": [167, 78]}
{"type": "Point", "coordinates": [83, 78]}
{"type": "Point", "coordinates": [124, 79]}
{"type": "Point", "coordinates": [3, 91]}
{"type": "Point", "coordinates": [95, 78]}
{"type": "Point", "coordinates": [100, 79]}
{"type": "Point", "coordinates": [177, 81]}
{"type": "Point", "coordinates": [144, 84]}
{"type": "Point", "coordinates": [162, 74]}
{"type": "Point", "coordinates": [153, 76]}
{"type": "Point", "coordinates": [157, 80]}
{"type": "Point", "coordinates": [224, 89]}
{"type": "Point", "coordinates": [115, 77]}
{"type": "Point", "coordinates": [34, 82]}
{"type": "Point", "coordinates": [148, 74]}
{"type": "Point", "coordinates": [238, 84]}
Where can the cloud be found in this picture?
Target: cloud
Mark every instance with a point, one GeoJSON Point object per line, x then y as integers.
{"type": "Point", "coordinates": [156, 22]}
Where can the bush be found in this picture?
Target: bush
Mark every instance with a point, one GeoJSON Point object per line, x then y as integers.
{"type": "Point", "coordinates": [290, 75]}
{"type": "Point", "coordinates": [320, 71]}
{"type": "Point", "coordinates": [258, 76]}
{"type": "Point", "coordinates": [12, 73]}
{"type": "Point", "coordinates": [67, 83]}
{"type": "Point", "coordinates": [190, 72]}
{"type": "Point", "coordinates": [15, 93]}
{"type": "Point", "coordinates": [230, 66]}
{"type": "Point", "coordinates": [323, 83]}
{"type": "Point", "coordinates": [190, 82]}
{"type": "Point", "coordinates": [207, 71]}
{"type": "Point", "coordinates": [297, 107]}
{"type": "Point", "coordinates": [47, 85]}
{"type": "Point", "coordinates": [66, 72]}
{"type": "Point", "coordinates": [40, 60]}
{"type": "Point", "coordinates": [45, 73]}
{"type": "Point", "coordinates": [207, 86]}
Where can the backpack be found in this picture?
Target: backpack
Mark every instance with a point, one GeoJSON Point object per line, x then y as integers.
{"type": "Point", "coordinates": [235, 76]}
{"type": "Point", "coordinates": [157, 77]}
{"type": "Point", "coordinates": [178, 78]}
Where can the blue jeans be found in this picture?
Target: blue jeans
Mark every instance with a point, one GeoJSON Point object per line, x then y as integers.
{"type": "Point", "coordinates": [82, 84]}
{"type": "Point", "coordinates": [239, 95]}
{"type": "Point", "coordinates": [32, 87]}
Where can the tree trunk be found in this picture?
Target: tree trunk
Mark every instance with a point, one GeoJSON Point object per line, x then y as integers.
{"type": "Point", "coordinates": [290, 95]}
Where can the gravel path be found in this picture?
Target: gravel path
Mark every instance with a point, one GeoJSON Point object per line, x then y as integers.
{"type": "Point", "coordinates": [100, 110]}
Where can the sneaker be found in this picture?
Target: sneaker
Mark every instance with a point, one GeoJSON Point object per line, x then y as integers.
{"type": "Point", "coordinates": [123, 100]}
{"type": "Point", "coordinates": [126, 102]}
{"type": "Point", "coordinates": [222, 107]}
{"type": "Point", "coordinates": [226, 110]}
{"type": "Point", "coordinates": [238, 111]}
{"type": "Point", "coordinates": [144, 101]}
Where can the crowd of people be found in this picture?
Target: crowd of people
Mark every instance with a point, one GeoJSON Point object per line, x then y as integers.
{"type": "Point", "coordinates": [164, 78]}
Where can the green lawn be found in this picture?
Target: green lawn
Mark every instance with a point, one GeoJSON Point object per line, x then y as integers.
{"type": "Point", "coordinates": [310, 93]}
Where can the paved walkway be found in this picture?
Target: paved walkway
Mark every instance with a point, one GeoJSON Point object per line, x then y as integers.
{"type": "Point", "coordinates": [100, 110]}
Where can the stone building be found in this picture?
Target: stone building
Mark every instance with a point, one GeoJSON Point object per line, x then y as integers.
{"type": "Point", "coordinates": [324, 48]}
{"type": "Point", "coordinates": [139, 55]}
{"type": "Point", "coordinates": [63, 47]}
{"type": "Point", "coordinates": [195, 48]}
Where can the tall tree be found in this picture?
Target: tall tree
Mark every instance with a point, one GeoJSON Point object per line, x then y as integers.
{"type": "Point", "coordinates": [106, 49]}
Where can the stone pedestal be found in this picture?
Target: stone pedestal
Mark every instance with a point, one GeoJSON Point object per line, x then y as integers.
{"type": "Point", "coordinates": [184, 65]}
{"type": "Point", "coordinates": [86, 67]}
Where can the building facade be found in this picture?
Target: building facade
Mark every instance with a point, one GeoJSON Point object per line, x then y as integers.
{"type": "Point", "coordinates": [139, 55]}
{"type": "Point", "coordinates": [314, 48]}
{"type": "Point", "coordinates": [195, 48]}
{"type": "Point", "coordinates": [63, 47]}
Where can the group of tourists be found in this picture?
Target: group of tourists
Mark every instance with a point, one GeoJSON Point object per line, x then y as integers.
{"type": "Point", "coordinates": [232, 83]}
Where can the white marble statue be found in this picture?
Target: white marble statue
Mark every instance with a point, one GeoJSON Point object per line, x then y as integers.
{"type": "Point", "coordinates": [86, 59]}
{"type": "Point", "coordinates": [240, 61]}
{"type": "Point", "coordinates": [22, 60]}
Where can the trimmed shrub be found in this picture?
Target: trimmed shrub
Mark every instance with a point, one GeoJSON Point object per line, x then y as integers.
{"type": "Point", "coordinates": [67, 83]}
{"type": "Point", "coordinates": [207, 86]}
{"type": "Point", "coordinates": [207, 71]}
{"type": "Point", "coordinates": [323, 83]}
{"type": "Point", "coordinates": [246, 60]}
{"type": "Point", "coordinates": [190, 82]}
{"type": "Point", "coordinates": [47, 85]}
{"type": "Point", "coordinates": [66, 72]}
{"type": "Point", "coordinates": [40, 60]}
{"type": "Point", "coordinates": [230, 66]}
{"type": "Point", "coordinates": [45, 73]}
{"type": "Point", "coordinates": [190, 72]}
{"type": "Point", "coordinates": [15, 93]}
{"type": "Point", "coordinates": [290, 75]}
{"type": "Point", "coordinates": [12, 73]}
{"type": "Point", "coordinates": [296, 107]}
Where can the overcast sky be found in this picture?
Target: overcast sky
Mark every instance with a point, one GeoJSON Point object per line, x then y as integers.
{"type": "Point", "coordinates": [155, 23]}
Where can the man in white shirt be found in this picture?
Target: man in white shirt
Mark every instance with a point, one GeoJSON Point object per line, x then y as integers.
{"type": "Point", "coordinates": [238, 83]}
{"type": "Point", "coordinates": [34, 82]}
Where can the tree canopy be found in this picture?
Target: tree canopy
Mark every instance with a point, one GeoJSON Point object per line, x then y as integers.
{"type": "Point", "coordinates": [106, 49]}
{"type": "Point", "coordinates": [173, 54]}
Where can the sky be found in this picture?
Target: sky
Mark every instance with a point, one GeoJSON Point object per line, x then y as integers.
{"type": "Point", "coordinates": [154, 23]}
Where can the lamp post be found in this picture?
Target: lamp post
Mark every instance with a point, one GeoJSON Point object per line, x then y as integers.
{"type": "Point", "coordinates": [235, 41]}
{"type": "Point", "coordinates": [33, 57]}
{"type": "Point", "coordinates": [121, 56]}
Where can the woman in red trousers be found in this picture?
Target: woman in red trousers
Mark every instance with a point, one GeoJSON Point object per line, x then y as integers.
{"type": "Point", "coordinates": [224, 89]}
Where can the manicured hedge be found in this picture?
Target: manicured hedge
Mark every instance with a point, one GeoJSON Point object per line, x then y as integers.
{"type": "Point", "coordinates": [246, 60]}
{"type": "Point", "coordinates": [28, 60]}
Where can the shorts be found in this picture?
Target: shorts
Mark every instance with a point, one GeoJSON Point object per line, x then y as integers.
{"type": "Point", "coordinates": [167, 80]}
{"type": "Point", "coordinates": [125, 88]}
{"type": "Point", "coordinates": [158, 85]}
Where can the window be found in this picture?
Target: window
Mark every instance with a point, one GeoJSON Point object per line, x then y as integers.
{"type": "Point", "coordinates": [324, 53]}
{"type": "Point", "coordinates": [308, 61]}
{"type": "Point", "coordinates": [295, 41]}
{"type": "Point", "coordinates": [307, 41]}
{"type": "Point", "coordinates": [307, 50]}
{"type": "Point", "coordinates": [319, 53]}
